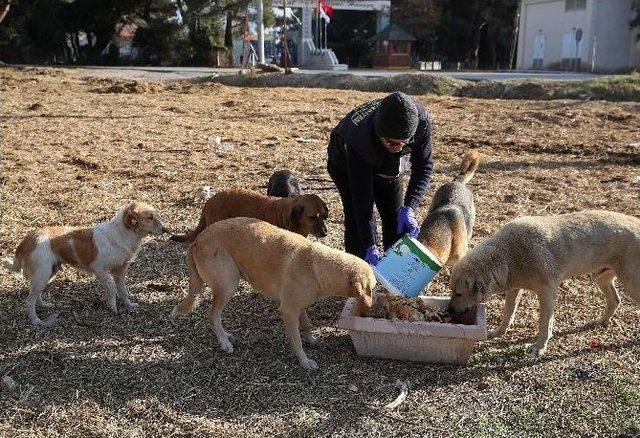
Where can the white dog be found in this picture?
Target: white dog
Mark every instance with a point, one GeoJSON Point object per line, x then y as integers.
{"type": "Point", "coordinates": [539, 252]}
{"type": "Point", "coordinates": [105, 249]}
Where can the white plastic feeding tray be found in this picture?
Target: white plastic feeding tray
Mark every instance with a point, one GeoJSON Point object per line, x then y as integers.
{"type": "Point", "coordinates": [415, 341]}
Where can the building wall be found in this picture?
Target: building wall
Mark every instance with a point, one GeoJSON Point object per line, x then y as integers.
{"type": "Point", "coordinates": [615, 44]}
{"type": "Point", "coordinates": [549, 20]}
{"type": "Point", "coordinates": [548, 30]}
{"type": "Point", "coordinates": [395, 60]}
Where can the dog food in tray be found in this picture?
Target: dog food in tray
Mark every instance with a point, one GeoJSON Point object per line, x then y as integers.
{"type": "Point", "coordinates": [419, 341]}
{"type": "Point", "coordinates": [391, 306]}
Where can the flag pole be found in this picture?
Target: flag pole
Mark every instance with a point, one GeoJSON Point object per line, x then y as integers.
{"type": "Point", "coordinates": [325, 34]}
{"type": "Point", "coordinates": [319, 38]}
{"type": "Point", "coordinates": [287, 70]}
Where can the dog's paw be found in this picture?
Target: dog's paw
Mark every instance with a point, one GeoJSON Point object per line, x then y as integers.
{"type": "Point", "coordinates": [226, 346]}
{"type": "Point", "coordinates": [602, 322]}
{"type": "Point", "coordinates": [232, 338]}
{"type": "Point", "coordinates": [112, 306]}
{"type": "Point", "coordinates": [309, 364]}
{"type": "Point", "coordinates": [537, 350]}
{"type": "Point", "coordinates": [311, 341]}
{"type": "Point", "coordinates": [131, 305]}
{"type": "Point", "coordinates": [51, 320]}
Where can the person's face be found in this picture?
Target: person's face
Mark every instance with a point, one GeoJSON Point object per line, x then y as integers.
{"type": "Point", "coordinates": [393, 145]}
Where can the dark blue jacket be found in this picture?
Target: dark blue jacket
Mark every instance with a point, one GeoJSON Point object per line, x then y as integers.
{"type": "Point", "coordinates": [356, 148]}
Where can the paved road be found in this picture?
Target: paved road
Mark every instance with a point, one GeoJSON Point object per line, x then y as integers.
{"type": "Point", "coordinates": [475, 75]}
{"type": "Point", "coordinates": [199, 72]}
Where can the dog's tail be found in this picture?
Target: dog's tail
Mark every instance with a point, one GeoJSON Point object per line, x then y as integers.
{"type": "Point", "coordinates": [196, 287]}
{"type": "Point", "coordinates": [191, 235]}
{"type": "Point", "coordinates": [13, 265]}
{"type": "Point", "coordinates": [469, 166]}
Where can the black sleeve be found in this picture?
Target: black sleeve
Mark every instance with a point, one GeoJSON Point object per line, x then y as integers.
{"type": "Point", "coordinates": [421, 167]}
{"type": "Point", "coordinates": [361, 185]}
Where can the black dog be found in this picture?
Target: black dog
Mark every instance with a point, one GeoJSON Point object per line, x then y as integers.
{"type": "Point", "coordinates": [283, 184]}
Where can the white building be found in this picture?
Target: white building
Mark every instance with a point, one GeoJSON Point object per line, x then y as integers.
{"type": "Point", "coordinates": [590, 35]}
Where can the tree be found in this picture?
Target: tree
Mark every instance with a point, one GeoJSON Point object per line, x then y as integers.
{"type": "Point", "coordinates": [420, 18]}
{"type": "Point", "coordinates": [33, 32]}
{"type": "Point", "coordinates": [348, 35]}
{"type": "Point", "coordinates": [218, 22]}
{"type": "Point", "coordinates": [98, 20]}
{"type": "Point", "coordinates": [635, 22]}
{"type": "Point", "coordinates": [159, 32]}
{"type": "Point", "coordinates": [476, 33]}
{"type": "Point", "coordinates": [167, 31]}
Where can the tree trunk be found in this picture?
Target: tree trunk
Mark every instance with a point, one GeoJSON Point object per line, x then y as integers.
{"type": "Point", "coordinates": [228, 37]}
{"type": "Point", "coordinates": [146, 14]}
{"type": "Point", "coordinates": [75, 41]}
{"type": "Point", "coordinates": [4, 9]}
{"type": "Point", "coordinates": [94, 51]}
{"type": "Point", "coordinates": [476, 46]}
{"type": "Point", "coordinates": [514, 39]}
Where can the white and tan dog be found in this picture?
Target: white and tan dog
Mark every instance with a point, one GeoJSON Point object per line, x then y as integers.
{"type": "Point", "coordinates": [281, 265]}
{"type": "Point", "coordinates": [105, 250]}
{"type": "Point", "coordinates": [539, 252]}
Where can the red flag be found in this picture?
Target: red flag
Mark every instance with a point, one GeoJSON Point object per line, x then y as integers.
{"type": "Point", "coordinates": [325, 11]}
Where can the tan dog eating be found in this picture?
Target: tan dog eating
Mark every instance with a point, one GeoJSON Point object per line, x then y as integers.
{"type": "Point", "coordinates": [105, 250]}
{"type": "Point", "coordinates": [539, 252]}
{"type": "Point", "coordinates": [303, 214]}
{"type": "Point", "coordinates": [279, 264]}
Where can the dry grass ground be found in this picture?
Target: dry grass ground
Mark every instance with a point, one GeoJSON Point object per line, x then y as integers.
{"type": "Point", "coordinates": [74, 149]}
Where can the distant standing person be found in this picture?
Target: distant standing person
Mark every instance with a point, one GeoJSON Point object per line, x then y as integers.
{"type": "Point", "coordinates": [364, 154]}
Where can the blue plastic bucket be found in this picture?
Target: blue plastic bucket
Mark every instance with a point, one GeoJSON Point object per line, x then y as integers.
{"type": "Point", "coordinates": [407, 267]}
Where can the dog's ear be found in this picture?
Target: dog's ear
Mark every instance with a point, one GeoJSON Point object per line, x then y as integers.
{"type": "Point", "coordinates": [500, 276]}
{"type": "Point", "coordinates": [293, 186]}
{"type": "Point", "coordinates": [296, 214]}
{"type": "Point", "coordinates": [477, 288]}
{"type": "Point", "coordinates": [469, 283]}
{"type": "Point", "coordinates": [325, 208]}
{"type": "Point", "coordinates": [130, 218]}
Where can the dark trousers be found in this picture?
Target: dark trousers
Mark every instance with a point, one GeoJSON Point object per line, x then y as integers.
{"type": "Point", "coordinates": [387, 194]}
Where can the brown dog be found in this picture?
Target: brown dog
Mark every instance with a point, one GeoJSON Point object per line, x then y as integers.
{"type": "Point", "coordinates": [447, 229]}
{"type": "Point", "coordinates": [281, 265]}
{"type": "Point", "coordinates": [304, 214]}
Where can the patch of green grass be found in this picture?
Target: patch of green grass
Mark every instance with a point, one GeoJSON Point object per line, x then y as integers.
{"type": "Point", "coordinates": [612, 88]}
{"type": "Point", "coordinates": [410, 83]}
{"type": "Point", "coordinates": [489, 426]}
{"type": "Point", "coordinates": [502, 355]}
{"type": "Point", "coordinates": [626, 391]}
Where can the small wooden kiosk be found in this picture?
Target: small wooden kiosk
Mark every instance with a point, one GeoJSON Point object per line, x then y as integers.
{"type": "Point", "coordinates": [393, 47]}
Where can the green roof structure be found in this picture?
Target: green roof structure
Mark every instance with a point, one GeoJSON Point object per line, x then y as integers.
{"type": "Point", "coordinates": [393, 33]}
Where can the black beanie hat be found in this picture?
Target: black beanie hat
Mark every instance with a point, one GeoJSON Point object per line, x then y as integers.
{"type": "Point", "coordinates": [396, 117]}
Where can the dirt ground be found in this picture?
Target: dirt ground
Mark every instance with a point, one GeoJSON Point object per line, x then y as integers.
{"type": "Point", "coordinates": [75, 149]}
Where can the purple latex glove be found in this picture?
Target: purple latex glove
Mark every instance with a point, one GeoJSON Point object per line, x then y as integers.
{"type": "Point", "coordinates": [407, 222]}
{"type": "Point", "coordinates": [372, 255]}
